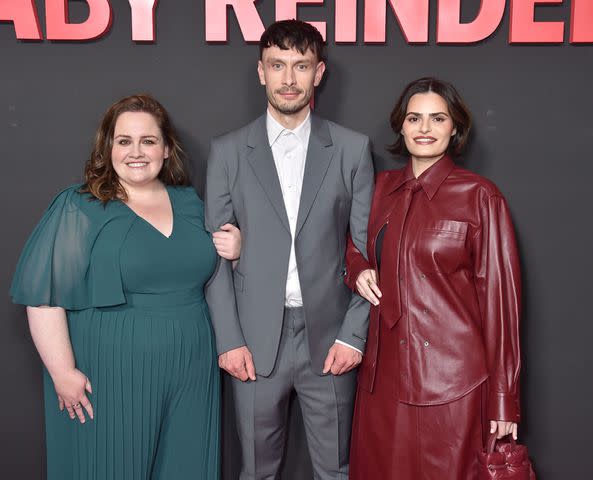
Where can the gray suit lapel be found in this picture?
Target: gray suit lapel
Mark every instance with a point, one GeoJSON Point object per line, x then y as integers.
{"type": "Point", "coordinates": [319, 156]}
{"type": "Point", "coordinates": [262, 162]}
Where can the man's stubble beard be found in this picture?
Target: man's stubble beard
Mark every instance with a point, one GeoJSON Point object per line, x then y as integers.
{"type": "Point", "coordinates": [288, 109]}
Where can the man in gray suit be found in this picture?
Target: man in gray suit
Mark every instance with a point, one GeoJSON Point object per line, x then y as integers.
{"type": "Point", "coordinates": [294, 184]}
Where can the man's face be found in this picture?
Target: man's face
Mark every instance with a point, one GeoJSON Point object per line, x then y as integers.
{"type": "Point", "coordinates": [290, 78]}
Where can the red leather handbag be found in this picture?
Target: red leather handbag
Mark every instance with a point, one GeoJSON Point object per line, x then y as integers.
{"type": "Point", "coordinates": [504, 461]}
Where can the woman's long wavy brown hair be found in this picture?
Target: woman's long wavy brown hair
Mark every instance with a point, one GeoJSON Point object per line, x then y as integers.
{"type": "Point", "coordinates": [101, 181]}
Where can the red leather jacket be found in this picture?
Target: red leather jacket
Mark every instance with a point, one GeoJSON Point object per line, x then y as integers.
{"type": "Point", "coordinates": [460, 289]}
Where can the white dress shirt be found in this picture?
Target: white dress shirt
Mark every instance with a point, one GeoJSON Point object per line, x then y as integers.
{"type": "Point", "coordinates": [289, 149]}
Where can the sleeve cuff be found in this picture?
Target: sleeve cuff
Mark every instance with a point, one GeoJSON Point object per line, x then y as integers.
{"type": "Point", "coordinates": [354, 269]}
{"type": "Point", "coordinates": [348, 345]}
{"type": "Point", "coordinates": [504, 407]}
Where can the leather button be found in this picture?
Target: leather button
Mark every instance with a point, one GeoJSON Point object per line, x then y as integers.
{"type": "Point", "coordinates": [422, 276]}
{"type": "Point", "coordinates": [426, 343]}
{"type": "Point", "coordinates": [425, 311]}
{"type": "Point", "coordinates": [402, 341]}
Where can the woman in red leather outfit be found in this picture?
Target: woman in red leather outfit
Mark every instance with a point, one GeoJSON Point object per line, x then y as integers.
{"type": "Point", "coordinates": [441, 365]}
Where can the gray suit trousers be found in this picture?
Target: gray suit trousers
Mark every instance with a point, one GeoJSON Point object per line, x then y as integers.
{"type": "Point", "coordinates": [326, 403]}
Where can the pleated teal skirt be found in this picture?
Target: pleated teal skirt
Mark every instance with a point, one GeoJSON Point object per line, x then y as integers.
{"type": "Point", "coordinates": [156, 397]}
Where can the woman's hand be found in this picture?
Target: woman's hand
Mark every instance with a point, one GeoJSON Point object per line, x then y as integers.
{"type": "Point", "coordinates": [71, 387]}
{"type": "Point", "coordinates": [228, 241]}
{"type": "Point", "coordinates": [366, 284]}
{"type": "Point", "coordinates": [503, 428]}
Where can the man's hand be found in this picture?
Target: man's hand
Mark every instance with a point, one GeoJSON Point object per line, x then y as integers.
{"type": "Point", "coordinates": [239, 363]}
{"type": "Point", "coordinates": [341, 359]}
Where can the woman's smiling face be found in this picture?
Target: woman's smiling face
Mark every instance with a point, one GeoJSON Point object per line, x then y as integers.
{"type": "Point", "coordinates": [138, 150]}
{"type": "Point", "coordinates": [428, 127]}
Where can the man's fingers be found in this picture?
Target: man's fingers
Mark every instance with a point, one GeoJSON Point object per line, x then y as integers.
{"type": "Point", "coordinates": [338, 365]}
{"type": "Point", "coordinates": [227, 227]}
{"type": "Point", "coordinates": [345, 368]}
{"type": "Point", "coordinates": [329, 360]}
{"type": "Point", "coordinates": [250, 367]}
{"type": "Point", "coordinates": [239, 371]}
{"type": "Point", "coordinates": [336, 369]}
{"type": "Point", "coordinates": [241, 374]}
{"type": "Point", "coordinates": [238, 363]}
{"type": "Point", "coordinates": [350, 366]}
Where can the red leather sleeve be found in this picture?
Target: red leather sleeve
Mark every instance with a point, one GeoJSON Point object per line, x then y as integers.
{"type": "Point", "coordinates": [498, 284]}
{"type": "Point", "coordinates": [355, 264]}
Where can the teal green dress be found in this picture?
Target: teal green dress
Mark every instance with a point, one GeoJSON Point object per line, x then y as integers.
{"type": "Point", "coordinates": [140, 331]}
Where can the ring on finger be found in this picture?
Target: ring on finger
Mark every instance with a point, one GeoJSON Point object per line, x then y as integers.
{"type": "Point", "coordinates": [76, 405]}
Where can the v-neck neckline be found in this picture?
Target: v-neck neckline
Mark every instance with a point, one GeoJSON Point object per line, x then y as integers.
{"type": "Point", "coordinates": [140, 217]}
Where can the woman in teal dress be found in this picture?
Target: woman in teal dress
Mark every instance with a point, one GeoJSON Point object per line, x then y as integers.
{"type": "Point", "coordinates": [113, 278]}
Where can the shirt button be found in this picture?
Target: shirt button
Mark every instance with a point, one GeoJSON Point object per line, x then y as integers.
{"type": "Point", "coordinates": [426, 343]}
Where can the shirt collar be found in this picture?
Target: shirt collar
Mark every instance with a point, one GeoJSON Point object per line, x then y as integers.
{"type": "Point", "coordinates": [275, 129]}
{"type": "Point", "coordinates": [430, 180]}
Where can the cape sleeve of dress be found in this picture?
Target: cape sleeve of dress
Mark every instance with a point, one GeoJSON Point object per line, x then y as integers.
{"type": "Point", "coordinates": [60, 265]}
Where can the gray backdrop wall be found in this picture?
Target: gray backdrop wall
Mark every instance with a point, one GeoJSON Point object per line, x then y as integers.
{"type": "Point", "coordinates": [533, 135]}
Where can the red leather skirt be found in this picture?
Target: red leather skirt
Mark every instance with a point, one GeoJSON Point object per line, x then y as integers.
{"type": "Point", "coordinates": [392, 440]}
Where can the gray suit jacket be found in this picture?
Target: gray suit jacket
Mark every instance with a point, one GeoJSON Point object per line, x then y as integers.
{"type": "Point", "coordinates": [242, 187]}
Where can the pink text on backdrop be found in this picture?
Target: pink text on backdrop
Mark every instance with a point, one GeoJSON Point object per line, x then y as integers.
{"type": "Point", "coordinates": [412, 17]}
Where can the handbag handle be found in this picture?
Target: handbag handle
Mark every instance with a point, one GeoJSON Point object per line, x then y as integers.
{"type": "Point", "coordinates": [492, 442]}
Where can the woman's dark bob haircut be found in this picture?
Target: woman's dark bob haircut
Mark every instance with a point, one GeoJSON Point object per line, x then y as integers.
{"type": "Point", "coordinates": [287, 34]}
{"type": "Point", "coordinates": [460, 114]}
{"type": "Point", "coordinates": [101, 181]}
